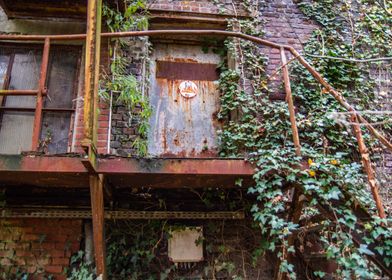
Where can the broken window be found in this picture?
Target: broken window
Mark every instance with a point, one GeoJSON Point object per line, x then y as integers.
{"type": "Point", "coordinates": [20, 70]}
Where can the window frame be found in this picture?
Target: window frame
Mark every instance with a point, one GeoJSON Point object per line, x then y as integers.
{"type": "Point", "coordinates": [41, 91]}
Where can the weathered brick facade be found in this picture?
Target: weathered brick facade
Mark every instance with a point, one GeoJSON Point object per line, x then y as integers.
{"type": "Point", "coordinates": [45, 245]}
{"type": "Point", "coordinates": [38, 246]}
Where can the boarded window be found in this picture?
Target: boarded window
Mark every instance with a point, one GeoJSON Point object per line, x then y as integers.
{"type": "Point", "coordinates": [20, 69]}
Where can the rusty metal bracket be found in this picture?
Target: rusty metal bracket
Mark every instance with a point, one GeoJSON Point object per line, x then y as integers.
{"type": "Point", "coordinates": [91, 159]}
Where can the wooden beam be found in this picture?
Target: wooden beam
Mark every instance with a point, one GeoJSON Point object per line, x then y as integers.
{"type": "Point", "coordinates": [98, 218]}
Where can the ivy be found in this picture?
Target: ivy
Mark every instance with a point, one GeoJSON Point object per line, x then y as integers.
{"type": "Point", "coordinates": [128, 89]}
{"type": "Point", "coordinates": [260, 129]}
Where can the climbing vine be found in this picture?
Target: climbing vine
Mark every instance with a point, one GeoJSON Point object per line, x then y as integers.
{"type": "Point", "coordinates": [138, 249]}
{"type": "Point", "coordinates": [260, 129]}
{"type": "Point", "coordinates": [126, 88]}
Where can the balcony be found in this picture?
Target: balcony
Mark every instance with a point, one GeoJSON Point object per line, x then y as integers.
{"type": "Point", "coordinates": [56, 134]}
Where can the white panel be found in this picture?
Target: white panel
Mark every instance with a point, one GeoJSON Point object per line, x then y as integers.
{"type": "Point", "coordinates": [185, 245]}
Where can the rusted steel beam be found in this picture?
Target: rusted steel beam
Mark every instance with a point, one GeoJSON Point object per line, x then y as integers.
{"type": "Point", "coordinates": [339, 97]}
{"type": "Point", "coordinates": [175, 166]}
{"type": "Point", "coordinates": [91, 82]}
{"type": "Point", "coordinates": [152, 33]}
{"type": "Point", "coordinates": [117, 166]}
{"type": "Point", "coordinates": [121, 215]}
{"type": "Point", "coordinates": [19, 92]}
{"type": "Point", "coordinates": [39, 101]}
{"type": "Point", "coordinates": [57, 171]}
{"type": "Point", "coordinates": [290, 103]}
{"type": "Point", "coordinates": [40, 164]}
{"type": "Point", "coordinates": [296, 204]}
{"type": "Point", "coordinates": [367, 166]}
{"type": "Point", "coordinates": [98, 218]}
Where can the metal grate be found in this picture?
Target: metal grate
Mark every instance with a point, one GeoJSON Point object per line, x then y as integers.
{"type": "Point", "coordinates": [122, 215]}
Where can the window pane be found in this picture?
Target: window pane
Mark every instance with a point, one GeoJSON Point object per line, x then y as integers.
{"type": "Point", "coordinates": [61, 85]}
{"type": "Point", "coordinates": [16, 132]}
{"type": "Point", "coordinates": [4, 59]}
{"type": "Point", "coordinates": [17, 127]}
{"type": "Point", "coordinates": [62, 71]}
{"type": "Point", "coordinates": [24, 75]}
{"type": "Point", "coordinates": [54, 133]}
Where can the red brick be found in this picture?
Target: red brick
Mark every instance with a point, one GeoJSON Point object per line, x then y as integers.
{"type": "Point", "coordinates": [60, 261]}
{"type": "Point", "coordinates": [7, 254]}
{"type": "Point", "coordinates": [103, 118]}
{"type": "Point", "coordinates": [57, 253]}
{"type": "Point", "coordinates": [61, 277]}
{"type": "Point", "coordinates": [23, 253]}
{"type": "Point", "coordinates": [102, 131]}
{"type": "Point", "coordinates": [31, 237]}
{"type": "Point", "coordinates": [54, 268]}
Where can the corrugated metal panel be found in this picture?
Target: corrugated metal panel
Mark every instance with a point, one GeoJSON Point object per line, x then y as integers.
{"type": "Point", "coordinates": [183, 126]}
{"type": "Point", "coordinates": [17, 127]}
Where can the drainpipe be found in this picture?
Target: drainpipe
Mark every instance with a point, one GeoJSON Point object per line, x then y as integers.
{"type": "Point", "coordinates": [110, 107]}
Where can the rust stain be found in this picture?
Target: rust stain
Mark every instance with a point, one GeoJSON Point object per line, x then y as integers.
{"type": "Point", "coordinates": [179, 59]}
{"type": "Point", "coordinates": [188, 124]}
{"type": "Point", "coordinates": [186, 71]}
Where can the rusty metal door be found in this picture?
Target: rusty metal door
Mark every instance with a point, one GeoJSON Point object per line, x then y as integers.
{"type": "Point", "coordinates": [185, 101]}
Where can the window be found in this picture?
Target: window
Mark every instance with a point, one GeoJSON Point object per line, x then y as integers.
{"type": "Point", "coordinates": [20, 70]}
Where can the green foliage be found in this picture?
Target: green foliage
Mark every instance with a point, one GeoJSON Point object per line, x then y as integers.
{"type": "Point", "coordinates": [80, 269]}
{"type": "Point", "coordinates": [259, 128]}
{"type": "Point", "coordinates": [131, 251]}
{"type": "Point", "coordinates": [134, 17]}
{"type": "Point", "coordinates": [126, 88]}
{"type": "Point", "coordinates": [138, 250]}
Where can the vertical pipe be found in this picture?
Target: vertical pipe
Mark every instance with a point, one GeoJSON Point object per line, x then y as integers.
{"type": "Point", "coordinates": [41, 91]}
{"type": "Point", "coordinates": [367, 165]}
{"type": "Point", "coordinates": [97, 208]}
{"type": "Point", "coordinates": [111, 103]}
{"type": "Point", "coordinates": [290, 103]}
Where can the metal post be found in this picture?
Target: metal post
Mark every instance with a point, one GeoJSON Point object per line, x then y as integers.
{"type": "Point", "coordinates": [296, 204]}
{"type": "Point", "coordinates": [93, 43]}
{"type": "Point", "coordinates": [367, 165]}
{"type": "Point", "coordinates": [98, 218]}
{"type": "Point", "coordinates": [41, 91]}
{"type": "Point", "coordinates": [290, 103]}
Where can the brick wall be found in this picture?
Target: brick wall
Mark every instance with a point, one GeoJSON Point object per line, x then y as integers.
{"type": "Point", "coordinates": [38, 246]}
{"type": "Point", "coordinates": [199, 6]}
{"type": "Point", "coordinates": [125, 125]}
{"type": "Point", "coordinates": [285, 24]}
{"type": "Point", "coordinates": [103, 117]}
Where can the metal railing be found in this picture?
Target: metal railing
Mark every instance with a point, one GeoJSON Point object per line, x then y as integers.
{"type": "Point", "coordinates": [92, 56]}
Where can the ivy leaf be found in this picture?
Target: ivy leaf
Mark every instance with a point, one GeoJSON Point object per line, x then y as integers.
{"type": "Point", "coordinates": [238, 182]}
{"type": "Point", "coordinates": [364, 250]}
{"type": "Point", "coordinates": [334, 193]}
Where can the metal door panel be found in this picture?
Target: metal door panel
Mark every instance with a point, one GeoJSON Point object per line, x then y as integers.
{"type": "Point", "coordinates": [180, 126]}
